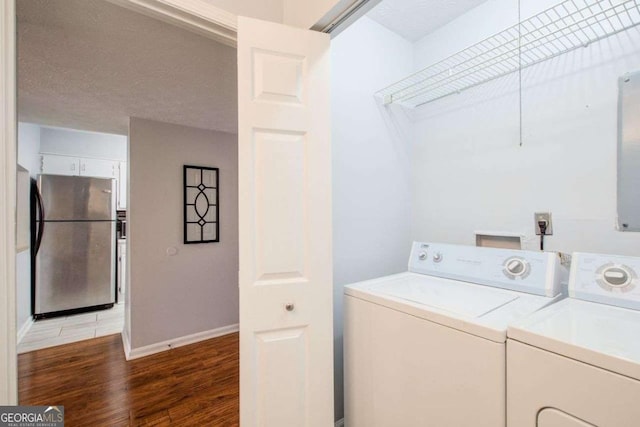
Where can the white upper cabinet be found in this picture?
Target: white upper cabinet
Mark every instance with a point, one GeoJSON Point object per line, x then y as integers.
{"type": "Point", "coordinates": [98, 168]}
{"type": "Point", "coordinates": [60, 165]}
{"type": "Point", "coordinates": [68, 165]}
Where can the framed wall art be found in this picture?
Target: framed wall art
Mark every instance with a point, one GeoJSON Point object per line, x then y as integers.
{"type": "Point", "coordinates": [201, 203]}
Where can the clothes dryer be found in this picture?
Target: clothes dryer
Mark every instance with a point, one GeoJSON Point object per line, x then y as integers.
{"type": "Point", "coordinates": [577, 363]}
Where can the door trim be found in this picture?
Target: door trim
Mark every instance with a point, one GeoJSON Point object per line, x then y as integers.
{"type": "Point", "coordinates": [198, 16]}
{"type": "Point", "coordinates": [193, 15]}
{"type": "Point", "coordinates": [8, 153]}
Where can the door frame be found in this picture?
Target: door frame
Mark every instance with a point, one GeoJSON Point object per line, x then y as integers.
{"type": "Point", "coordinates": [198, 16]}
{"type": "Point", "coordinates": [8, 152]}
{"type": "Point", "coordinates": [193, 15]}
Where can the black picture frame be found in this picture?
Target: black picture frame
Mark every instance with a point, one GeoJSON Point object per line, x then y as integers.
{"type": "Point", "coordinates": [201, 204]}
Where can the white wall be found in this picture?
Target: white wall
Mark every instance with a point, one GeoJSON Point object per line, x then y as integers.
{"type": "Point", "coordinates": [72, 142]}
{"type": "Point", "coordinates": [29, 147]}
{"type": "Point", "coordinates": [28, 158]}
{"type": "Point", "coordinates": [371, 191]}
{"type": "Point", "coordinates": [469, 172]}
{"type": "Point", "coordinates": [195, 290]}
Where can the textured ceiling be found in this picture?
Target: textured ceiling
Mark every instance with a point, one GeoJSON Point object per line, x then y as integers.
{"type": "Point", "coordinates": [89, 64]}
{"type": "Point", "coordinates": [414, 19]}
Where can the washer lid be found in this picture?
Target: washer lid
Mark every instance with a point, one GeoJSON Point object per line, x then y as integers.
{"type": "Point", "coordinates": [460, 298]}
{"type": "Point", "coordinates": [480, 310]}
{"type": "Point", "coordinates": [597, 334]}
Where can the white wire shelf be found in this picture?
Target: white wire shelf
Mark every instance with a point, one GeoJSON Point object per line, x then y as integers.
{"type": "Point", "coordinates": [567, 26]}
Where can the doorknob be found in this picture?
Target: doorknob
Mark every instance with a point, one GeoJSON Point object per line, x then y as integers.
{"type": "Point", "coordinates": [289, 307]}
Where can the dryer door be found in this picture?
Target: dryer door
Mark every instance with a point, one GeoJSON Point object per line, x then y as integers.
{"type": "Point", "coordinates": [551, 417]}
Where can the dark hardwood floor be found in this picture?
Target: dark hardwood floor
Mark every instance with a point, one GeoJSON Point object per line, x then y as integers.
{"type": "Point", "coordinates": [194, 385]}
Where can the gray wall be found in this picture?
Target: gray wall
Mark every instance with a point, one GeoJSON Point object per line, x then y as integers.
{"type": "Point", "coordinates": [195, 290]}
{"type": "Point", "coordinates": [371, 191]}
{"type": "Point", "coordinates": [28, 158]}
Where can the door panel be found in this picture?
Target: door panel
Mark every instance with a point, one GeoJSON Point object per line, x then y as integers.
{"type": "Point", "coordinates": [75, 266]}
{"type": "Point", "coordinates": [279, 210]}
{"type": "Point", "coordinates": [279, 351]}
{"type": "Point", "coordinates": [286, 334]}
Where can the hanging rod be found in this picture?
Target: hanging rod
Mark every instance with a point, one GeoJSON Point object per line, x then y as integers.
{"type": "Point", "coordinates": [564, 27]}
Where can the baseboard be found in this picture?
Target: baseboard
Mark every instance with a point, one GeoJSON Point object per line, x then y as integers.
{"type": "Point", "coordinates": [24, 329]}
{"type": "Point", "coordinates": [340, 423]}
{"type": "Point", "coordinates": [135, 353]}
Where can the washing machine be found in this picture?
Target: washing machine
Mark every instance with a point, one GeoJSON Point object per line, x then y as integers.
{"type": "Point", "coordinates": [427, 347]}
{"type": "Point", "coordinates": [577, 363]}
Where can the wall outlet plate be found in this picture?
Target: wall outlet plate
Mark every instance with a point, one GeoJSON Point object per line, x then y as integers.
{"type": "Point", "coordinates": [543, 216]}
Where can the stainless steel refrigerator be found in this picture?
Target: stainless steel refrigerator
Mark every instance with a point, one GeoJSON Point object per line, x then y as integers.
{"type": "Point", "coordinates": [74, 244]}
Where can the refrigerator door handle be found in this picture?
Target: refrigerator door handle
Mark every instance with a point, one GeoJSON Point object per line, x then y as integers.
{"type": "Point", "coordinates": [39, 220]}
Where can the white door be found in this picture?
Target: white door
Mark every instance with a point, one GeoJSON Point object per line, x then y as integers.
{"type": "Point", "coordinates": [286, 334]}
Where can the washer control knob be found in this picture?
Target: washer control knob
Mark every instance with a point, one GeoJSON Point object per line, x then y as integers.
{"type": "Point", "coordinates": [437, 257]}
{"type": "Point", "coordinates": [516, 267]}
{"type": "Point", "coordinates": [422, 256]}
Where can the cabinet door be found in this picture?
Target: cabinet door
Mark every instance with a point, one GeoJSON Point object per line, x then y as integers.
{"type": "Point", "coordinates": [122, 186]}
{"type": "Point", "coordinates": [60, 165]}
{"type": "Point", "coordinates": [98, 168]}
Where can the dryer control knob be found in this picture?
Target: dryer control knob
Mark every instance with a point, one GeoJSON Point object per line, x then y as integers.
{"type": "Point", "coordinates": [422, 256]}
{"type": "Point", "coordinates": [616, 278]}
{"type": "Point", "coordinates": [437, 257]}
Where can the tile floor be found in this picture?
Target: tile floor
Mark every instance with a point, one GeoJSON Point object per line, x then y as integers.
{"type": "Point", "coordinates": [68, 329]}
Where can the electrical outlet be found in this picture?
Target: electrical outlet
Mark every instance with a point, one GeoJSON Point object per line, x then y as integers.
{"type": "Point", "coordinates": [543, 216]}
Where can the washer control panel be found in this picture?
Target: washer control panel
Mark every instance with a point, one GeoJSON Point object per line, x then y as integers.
{"type": "Point", "coordinates": [515, 267]}
{"type": "Point", "coordinates": [538, 273]}
{"type": "Point", "coordinates": [608, 279]}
